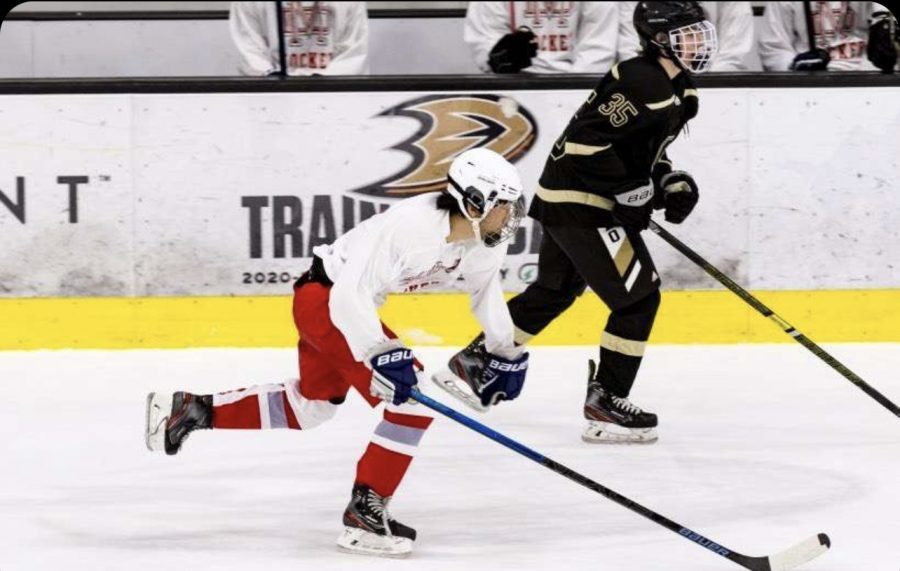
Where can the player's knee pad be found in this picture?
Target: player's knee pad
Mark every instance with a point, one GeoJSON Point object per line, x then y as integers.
{"type": "Point", "coordinates": [308, 412]}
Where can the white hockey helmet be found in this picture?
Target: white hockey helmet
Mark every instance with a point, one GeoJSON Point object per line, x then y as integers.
{"type": "Point", "coordinates": [480, 180]}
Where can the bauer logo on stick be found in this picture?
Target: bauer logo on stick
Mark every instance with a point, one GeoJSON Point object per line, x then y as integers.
{"type": "Point", "coordinates": [448, 126]}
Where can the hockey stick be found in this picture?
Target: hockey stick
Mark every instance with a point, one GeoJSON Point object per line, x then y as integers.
{"type": "Point", "coordinates": [810, 29]}
{"type": "Point", "coordinates": [787, 559]}
{"type": "Point", "coordinates": [766, 312]}
{"type": "Point", "coordinates": [282, 55]}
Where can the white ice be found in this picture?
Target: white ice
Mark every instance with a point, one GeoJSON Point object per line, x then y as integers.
{"type": "Point", "coordinates": [760, 447]}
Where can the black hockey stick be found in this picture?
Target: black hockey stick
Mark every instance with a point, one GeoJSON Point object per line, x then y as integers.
{"type": "Point", "coordinates": [784, 325]}
{"type": "Point", "coordinates": [810, 27]}
{"type": "Point", "coordinates": [282, 55]}
{"type": "Point", "coordinates": [788, 559]}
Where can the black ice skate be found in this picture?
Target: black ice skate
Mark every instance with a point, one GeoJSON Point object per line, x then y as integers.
{"type": "Point", "coordinates": [171, 418]}
{"type": "Point", "coordinates": [369, 528]}
{"type": "Point", "coordinates": [463, 373]}
{"type": "Point", "coordinates": [613, 419]}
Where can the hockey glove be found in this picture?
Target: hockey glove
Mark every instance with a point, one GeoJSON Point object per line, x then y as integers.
{"type": "Point", "coordinates": [813, 60]}
{"type": "Point", "coordinates": [884, 41]}
{"type": "Point", "coordinates": [513, 52]}
{"type": "Point", "coordinates": [680, 195]}
{"type": "Point", "coordinates": [502, 379]}
{"type": "Point", "coordinates": [393, 375]}
{"type": "Point", "coordinates": [633, 207]}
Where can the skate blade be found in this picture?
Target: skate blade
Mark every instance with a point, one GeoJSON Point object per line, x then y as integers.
{"type": "Point", "coordinates": [159, 407]}
{"type": "Point", "coordinates": [608, 433]}
{"type": "Point", "coordinates": [361, 542]}
{"type": "Point", "coordinates": [458, 389]}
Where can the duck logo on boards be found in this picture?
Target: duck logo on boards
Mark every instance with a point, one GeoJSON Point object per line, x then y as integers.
{"type": "Point", "coordinates": [448, 126]}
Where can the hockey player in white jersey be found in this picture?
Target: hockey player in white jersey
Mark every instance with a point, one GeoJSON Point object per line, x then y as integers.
{"type": "Point", "coordinates": [542, 37]}
{"type": "Point", "coordinates": [429, 241]}
{"type": "Point", "coordinates": [320, 38]}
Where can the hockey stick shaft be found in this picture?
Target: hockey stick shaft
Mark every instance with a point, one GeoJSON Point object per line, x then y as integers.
{"type": "Point", "coordinates": [753, 563]}
{"type": "Point", "coordinates": [774, 317]}
{"type": "Point", "coordinates": [282, 52]}
{"type": "Point", "coordinates": [810, 26]}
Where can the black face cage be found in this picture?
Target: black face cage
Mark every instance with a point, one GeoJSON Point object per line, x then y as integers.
{"type": "Point", "coordinates": [516, 214]}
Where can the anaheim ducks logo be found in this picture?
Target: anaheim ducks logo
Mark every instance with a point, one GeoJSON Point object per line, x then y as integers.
{"type": "Point", "coordinates": [449, 125]}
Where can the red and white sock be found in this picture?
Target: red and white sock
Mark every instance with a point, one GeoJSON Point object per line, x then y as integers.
{"type": "Point", "coordinates": [269, 406]}
{"type": "Point", "coordinates": [393, 447]}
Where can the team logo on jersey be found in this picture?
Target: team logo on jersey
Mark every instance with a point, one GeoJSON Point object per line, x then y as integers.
{"type": "Point", "coordinates": [449, 125]}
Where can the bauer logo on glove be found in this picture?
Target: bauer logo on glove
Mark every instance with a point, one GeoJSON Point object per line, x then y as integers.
{"type": "Point", "coordinates": [393, 373]}
{"type": "Point", "coordinates": [480, 379]}
{"type": "Point", "coordinates": [502, 379]}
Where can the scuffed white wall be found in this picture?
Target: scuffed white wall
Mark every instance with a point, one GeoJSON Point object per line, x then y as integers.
{"type": "Point", "coordinates": [798, 187]}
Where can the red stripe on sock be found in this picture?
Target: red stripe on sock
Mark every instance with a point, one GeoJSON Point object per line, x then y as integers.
{"type": "Point", "coordinates": [241, 414]}
{"type": "Point", "coordinates": [382, 469]}
{"type": "Point", "coordinates": [410, 420]}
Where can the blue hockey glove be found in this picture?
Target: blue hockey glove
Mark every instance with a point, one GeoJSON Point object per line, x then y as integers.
{"type": "Point", "coordinates": [393, 375]}
{"type": "Point", "coordinates": [502, 379]}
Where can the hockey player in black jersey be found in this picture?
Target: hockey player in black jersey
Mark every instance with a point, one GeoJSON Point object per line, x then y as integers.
{"type": "Point", "coordinates": [604, 176]}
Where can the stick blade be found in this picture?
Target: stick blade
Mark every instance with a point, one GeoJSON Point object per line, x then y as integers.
{"type": "Point", "coordinates": [799, 554]}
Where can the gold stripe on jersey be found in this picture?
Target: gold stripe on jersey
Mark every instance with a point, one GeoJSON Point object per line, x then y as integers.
{"type": "Point", "coordinates": [615, 71]}
{"type": "Point", "coordinates": [574, 197]}
{"type": "Point", "coordinates": [624, 256]}
{"type": "Point", "coordinates": [579, 149]}
{"type": "Point", "coordinates": [662, 104]}
{"type": "Point", "coordinates": [622, 345]}
{"type": "Point", "coordinates": [690, 93]}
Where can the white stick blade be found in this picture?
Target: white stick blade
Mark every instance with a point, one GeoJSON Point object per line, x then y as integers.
{"type": "Point", "coordinates": [799, 554]}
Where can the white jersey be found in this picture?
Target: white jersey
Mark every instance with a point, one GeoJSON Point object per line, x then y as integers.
{"type": "Point", "coordinates": [842, 28]}
{"type": "Point", "coordinates": [734, 30]}
{"type": "Point", "coordinates": [327, 38]}
{"type": "Point", "coordinates": [405, 250]}
{"type": "Point", "coordinates": [573, 37]}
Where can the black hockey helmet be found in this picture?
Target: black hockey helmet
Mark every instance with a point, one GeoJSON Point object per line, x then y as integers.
{"type": "Point", "coordinates": [679, 30]}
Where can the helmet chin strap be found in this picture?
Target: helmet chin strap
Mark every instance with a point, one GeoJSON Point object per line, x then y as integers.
{"type": "Point", "coordinates": [476, 228]}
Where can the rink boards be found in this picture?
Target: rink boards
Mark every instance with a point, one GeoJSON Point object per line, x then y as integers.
{"type": "Point", "coordinates": [177, 220]}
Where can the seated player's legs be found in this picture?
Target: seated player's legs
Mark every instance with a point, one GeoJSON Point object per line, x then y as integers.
{"type": "Point", "coordinates": [617, 266]}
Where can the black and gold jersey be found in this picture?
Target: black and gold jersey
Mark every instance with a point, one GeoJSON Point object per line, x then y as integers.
{"type": "Point", "coordinates": [613, 142]}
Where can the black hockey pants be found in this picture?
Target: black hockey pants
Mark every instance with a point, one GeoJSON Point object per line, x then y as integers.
{"type": "Point", "coordinates": [616, 265]}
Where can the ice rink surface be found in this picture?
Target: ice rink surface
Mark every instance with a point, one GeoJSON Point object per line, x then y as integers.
{"type": "Point", "coordinates": [760, 446]}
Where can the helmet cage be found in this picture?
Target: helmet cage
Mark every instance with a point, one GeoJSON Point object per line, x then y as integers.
{"type": "Point", "coordinates": [693, 46]}
{"type": "Point", "coordinates": [472, 197]}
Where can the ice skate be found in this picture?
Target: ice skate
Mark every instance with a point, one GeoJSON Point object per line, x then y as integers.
{"type": "Point", "coordinates": [172, 417]}
{"type": "Point", "coordinates": [461, 374]}
{"type": "Point", "coordinates": [613, 419]}
{"type": "Point", "coordinates": [369, 528]}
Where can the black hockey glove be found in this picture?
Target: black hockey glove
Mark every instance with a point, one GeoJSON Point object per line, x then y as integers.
{"type": "Point", "coordinates": [884, 41]}
{"type": "Point", "coordinates": [813, 60]}
{"type": "Point", "coordinates": [679, 195]}
{"type": "Point", "coordinates": [513, 52]}
{"type": "Point", "coordinates": [502, 379]}
{"type": "Point", "coordinates": [634, 207]}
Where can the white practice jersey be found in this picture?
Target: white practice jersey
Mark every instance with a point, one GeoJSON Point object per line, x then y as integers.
{"type": "Point", "coordinates": [573, 37]}
{"type": "Point", "coordinates": [842, 28]}
{"type": "Point", "coordinates": [405, 250]}
{"type": "Point", "coordinates": [734, 29]}
{"type": "Point", "coordinates": [327, 38]}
